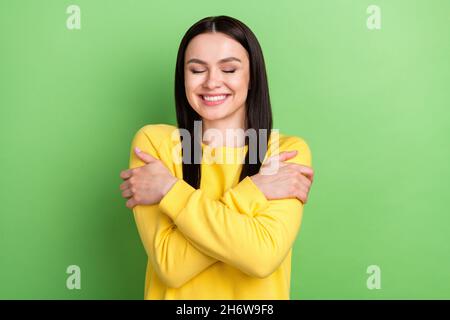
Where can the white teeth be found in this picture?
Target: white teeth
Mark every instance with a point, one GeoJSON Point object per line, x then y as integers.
{"type": "Point", "coordinates": [214, 98]}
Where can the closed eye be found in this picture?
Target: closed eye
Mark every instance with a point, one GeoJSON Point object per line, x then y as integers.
{"type": "Point", "coordinates": [226, 71]}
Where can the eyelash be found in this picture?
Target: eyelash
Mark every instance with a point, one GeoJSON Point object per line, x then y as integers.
{"type": "Point", "coordinates": [231, 71]}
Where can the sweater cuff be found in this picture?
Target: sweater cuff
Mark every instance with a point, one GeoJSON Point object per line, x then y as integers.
{"type": "Point", "coordinates": [248, 190]}
{"type": "Point", "coordinates": [176, 198]}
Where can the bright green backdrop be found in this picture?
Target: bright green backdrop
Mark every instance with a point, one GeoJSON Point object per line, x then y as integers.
{"type": "Point", "coordinates": [372, 104]}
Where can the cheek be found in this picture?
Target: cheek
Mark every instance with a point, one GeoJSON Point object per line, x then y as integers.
{"type": "Point", "coordinates": [240, 81]}
{"type": "Point", "coordinates": [239, 86]}
{"type": "Point", "coordinates": [188, 83]}
{"type": "Point", "coordinates": [191, 85]}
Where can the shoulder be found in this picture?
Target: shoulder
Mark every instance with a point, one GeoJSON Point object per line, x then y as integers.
{"type": "Point", "coordinates": [280, 142]}
{"type": "Point", "coordinates": [155, 134]}
{"type": "Point", "coordinates": [151, 139]}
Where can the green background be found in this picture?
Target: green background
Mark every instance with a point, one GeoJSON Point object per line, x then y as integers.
{"type": "Point", "coordinates": [373, 105]}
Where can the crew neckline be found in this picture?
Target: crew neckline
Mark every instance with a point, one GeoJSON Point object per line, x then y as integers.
{"type": "Point", "coordinates": [224, 147]}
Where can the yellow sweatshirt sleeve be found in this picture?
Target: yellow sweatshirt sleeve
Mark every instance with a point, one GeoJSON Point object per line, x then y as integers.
{"type": "Point", "coordinates": [173, 258]}
{"type": "Point", "coordinates": [255, 243]}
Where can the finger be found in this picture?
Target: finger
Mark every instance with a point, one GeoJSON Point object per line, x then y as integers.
{"type": "Point", "coordinates": [126, 174]}
{"type": "Point", "coordinates": [304, 170]}
{"type": "Point", "coordinates": [305, 189]}
{"type": "Point", "coordinates": [305, 182]}
{"type": "Point", "coordinates": [302, 196]}
{"type": "Point", "coordinates": [125, 185]}
{"type": "Point", "coordinates": [283, 156]}
{"type": "Point", "coordinates": [127, 193]}
{"type": "Point", "coordinates": [307, 172]}
{"type": "Point", "coordinates": [131, 203]}
{"type": "Point", "coordinates": [147, 158]}
{"type": "Point", "coordinates": [286, 155]}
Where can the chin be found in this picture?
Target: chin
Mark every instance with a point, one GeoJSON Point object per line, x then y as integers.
{"type": "Point", "coordinates": [212, 115]}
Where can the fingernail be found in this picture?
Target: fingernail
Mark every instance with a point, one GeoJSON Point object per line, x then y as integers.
{"type": "Point", "coordinates": [137, 149]}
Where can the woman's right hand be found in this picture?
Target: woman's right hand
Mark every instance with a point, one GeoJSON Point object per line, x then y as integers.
{"type": "Point", "coordinates": [289, 180]}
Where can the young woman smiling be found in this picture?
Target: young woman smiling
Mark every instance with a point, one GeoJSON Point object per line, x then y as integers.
{"type": "Point", "coordinates": [218, 230]}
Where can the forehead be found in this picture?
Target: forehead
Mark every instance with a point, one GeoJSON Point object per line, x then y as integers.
{"type": "Point", "coordinates": [212, 47]}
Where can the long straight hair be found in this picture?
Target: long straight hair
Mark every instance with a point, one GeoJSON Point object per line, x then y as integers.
{"type": "Point", "coordinates": [258, 108]}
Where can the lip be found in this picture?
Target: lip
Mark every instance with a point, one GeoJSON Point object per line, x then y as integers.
{"type": "Point", "coordinates": [214, 103]}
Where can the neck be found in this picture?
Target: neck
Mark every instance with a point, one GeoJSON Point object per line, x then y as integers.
{"type": "Point", "coordinates": [224, 132]}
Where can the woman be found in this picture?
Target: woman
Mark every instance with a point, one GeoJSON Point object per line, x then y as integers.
{"type": "Point", "coordinates": [218, 229]}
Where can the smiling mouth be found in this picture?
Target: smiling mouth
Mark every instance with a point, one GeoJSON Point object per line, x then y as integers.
{"type": "Point", "coordinates": [213, 100]}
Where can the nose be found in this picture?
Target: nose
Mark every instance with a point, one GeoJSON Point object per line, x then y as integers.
{"type": "Point", "coordinates": [213, 80]}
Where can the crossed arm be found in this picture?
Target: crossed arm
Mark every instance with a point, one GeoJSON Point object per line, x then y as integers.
{"type": "Point", "coordinates": [186, 232]}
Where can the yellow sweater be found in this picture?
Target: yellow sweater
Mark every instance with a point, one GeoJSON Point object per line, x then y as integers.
{"type": "Point", "coordinates": [224, 240]}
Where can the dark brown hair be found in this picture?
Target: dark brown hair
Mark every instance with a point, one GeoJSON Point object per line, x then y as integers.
{"type": "Point", "coordinates": [259, 111]}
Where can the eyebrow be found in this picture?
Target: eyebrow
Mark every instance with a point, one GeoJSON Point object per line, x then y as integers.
{"type": "Point", "coordinates": [194, 60]}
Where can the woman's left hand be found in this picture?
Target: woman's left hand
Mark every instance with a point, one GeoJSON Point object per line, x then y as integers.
{"type": "Point", "coordinates": [148, 184]}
